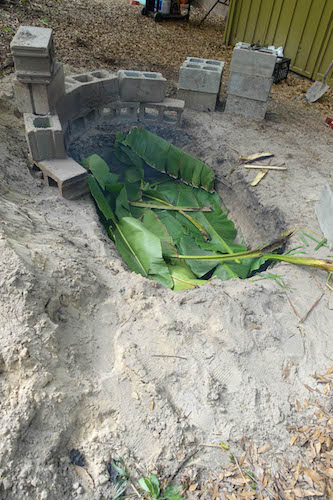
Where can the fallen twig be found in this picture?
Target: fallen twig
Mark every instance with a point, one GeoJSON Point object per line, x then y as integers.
{"type": "Point", "coordinates": [180, 466]}
{"type": "Point", "coordinates": [267, 167]}
{"type": "Point", "coordinates": [167, 356]}
{"type": "Point", "coordinates": [311, 308]}
{"type": "Point", "coordinates": [293, 308]}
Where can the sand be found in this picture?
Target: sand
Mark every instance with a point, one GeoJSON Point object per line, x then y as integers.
{"type": "Point", "coordinates": [98, 359]}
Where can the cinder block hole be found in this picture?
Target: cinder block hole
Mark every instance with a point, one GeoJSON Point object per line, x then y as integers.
{"type": "Point", "coordinates": [52, 182]}
{"type": "Point", "coordinates": [197, 66]}
{"type": "Point", "coordinates": [150, 75]}
{"type": "Point", "coordinates": [151, 113]}
{"type": "Point", "coordinates": [100, 74]}
{"type": "Point", "coordinates": [214, 63]}
{"type": "Point", "coordinates": [170, 116]}
{"type": "Point", "coordinates": [196, 60]}
{"type": "Point", "coordinates": [210, 68]}
{"type": "Point", "coordinates": [42, 122]}
{"type": "Point", "coordinates": [131, 73]}
{"type": "Point", "coordinates": [83, 78]}
{"type": "Point", "coordinates": [129, 112]}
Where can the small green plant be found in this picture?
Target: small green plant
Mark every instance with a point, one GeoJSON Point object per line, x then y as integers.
{"type": "Point", "coordinates": [119, 477]}
{"type": "Point", "coordinates": [9, 30]}
{"type": "Point", "coordinates": [152, 489]}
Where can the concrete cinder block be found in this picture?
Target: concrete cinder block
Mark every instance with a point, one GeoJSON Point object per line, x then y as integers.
{"type": "Point", "coordinates": [85, 92]}
{"type": "Point", "coordinates": [141, 86]}
{"type": "Point", "coordinates": [249, 108]}
{"type": "Point", "coordinates": [170, 110]}
{"type": "Point", "coordinates": [199, 101]}
{"type": "Point", "coordinates": [253, 62]}
{"type": "Point", "coordinates": [44, 136]}
{"type": "Point", "coordinates": [33, 52]}
{"type": "Point", "coordinates": [202, 77]}
{"type": "Point", "coordinates": [252, 87]}
{"type": "Point", "coordinates": [40, 98]}
{"type": "Point", "coordinates": [23, 97]}
{"type": "Point", "coordinates": [46, 96]}
{"type": "Point", "coordinates": [324, 211]}
{"type": "Point", "coordinates": [70, 177]}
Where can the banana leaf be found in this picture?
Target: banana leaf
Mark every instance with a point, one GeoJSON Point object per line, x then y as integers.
{"type": "Point", "coordinates": [152, 222]}
{"type": "Point", "coordinates": [99, 169]}
{"type": "Point", "coordinates": [165, 157]}
{"type": "Point", "coordinates": [183, 278]}
{"type": "Point", "coordinates": [141, 250]}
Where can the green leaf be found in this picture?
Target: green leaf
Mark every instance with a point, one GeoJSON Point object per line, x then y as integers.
{"type": "Point", "coordinates": [152, 222]}
{"type": "Point", "coordinates": [99, 169]}
{"type": "Point", "coordinates": [188, 246]}
{"type": "Point", "coordinates": [172, 490]}
{"type": "Point", "coordinates": [183, 278]}
{"type": "Point", "coordinates": [156, 485]}
{"type": "Point", "coordinates": [141, 250]}
{"type": "Point", "coordinates": [146, 485]}
{"type": "Point", "coordinates": [165, 157]}
{"type": "Point", "coordinates": [133, 174]}
{"type": "Point", "coordinates": [100, 198]}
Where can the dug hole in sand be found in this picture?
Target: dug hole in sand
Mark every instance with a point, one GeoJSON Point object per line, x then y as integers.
{"type": "Point", "coordinates": [98, 359]}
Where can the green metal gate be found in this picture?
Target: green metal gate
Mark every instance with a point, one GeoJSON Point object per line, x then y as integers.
{"type": "Point", "coordinates": [303, 27]}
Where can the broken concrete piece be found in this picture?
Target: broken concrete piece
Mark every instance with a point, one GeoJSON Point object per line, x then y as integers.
{"type": "Point", "coordinates": [203, 76]}
{"type": "Point", "coordinates": [199, 101]}
{"type": "Point", "coordinates": [324, 211]}
{"type": "Point", "coordinates": [45, 137]}
{"type": "Point", "coordinates": [40, 98]}
{"type": "Point", "coordinates": [253, 62]}
{"type": "Point", "coordinates": [70, 177]}
{"type": "Point", "coordinates": [170, 110]}
{"type": "Point", "coordinates": [33, 53]}
{"type": "Point", "coordinates": [250, 108]}
{"type": "Point", "coordinates": [141, 86]}
{"type": "Point", "coordinates": [249, 86]}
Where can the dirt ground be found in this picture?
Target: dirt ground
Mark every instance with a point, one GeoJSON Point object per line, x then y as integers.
{"type": "Point", "coordinates": [98, 359]}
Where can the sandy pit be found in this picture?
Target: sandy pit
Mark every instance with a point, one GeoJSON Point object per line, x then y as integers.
{"type": "Point", "coordinates": [98, 359]}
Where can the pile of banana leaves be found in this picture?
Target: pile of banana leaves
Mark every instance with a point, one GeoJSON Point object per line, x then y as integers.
{"type": "Point", "coordinates": [164, 217]}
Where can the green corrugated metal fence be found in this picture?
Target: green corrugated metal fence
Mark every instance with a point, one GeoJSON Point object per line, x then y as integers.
{"type": "Point", "coordinates": [303, 27]}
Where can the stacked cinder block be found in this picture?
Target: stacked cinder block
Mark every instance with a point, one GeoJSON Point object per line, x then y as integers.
{"type": "Point", "coordinates": [200, 82]}
{"type": "Point", "coordinates": [39, 85]}
{"type": "Point", "coordinates": [250, 81]}
{"type": "Point", "coordinates": [39, 81]}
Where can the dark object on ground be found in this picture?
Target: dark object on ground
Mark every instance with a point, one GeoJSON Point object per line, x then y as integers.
{"type": "Point", "coordinates": [77, 458]}
{"type": "Point", "coordinates": [222, 2]}
{"type": "Point", "coordinates": [175, 14]}
{"type": "Point", "coordinates": [318, 89]}
{"type": "Point", "coordinates": [329, 122]}
{"type": "Point", "coordinates": [281, 69]}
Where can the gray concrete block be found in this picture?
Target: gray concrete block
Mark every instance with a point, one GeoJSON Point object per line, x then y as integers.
{"type": "Point", "coordinates": [253, 62]}
{"type": "Point", "coordinates": [86, 92]}
{"type": "Point", "coordinates": [40, 98]}
{"type": "Point", "coordinates": [199, 101]}
{"type": "Point", "coordinates": [252, 87]}
{"type": "Point", "coordinates": [202, 77]}
{"type": "Point", "coordinates": [33, 53]}
{"type": "Point", "coordinates": [46, 96]}
{"type": "Point", "coordinates": [249, 108]}
{"type": "Point", "coordinates": [44, 136]}
{"type": "Point", "coordinates": [70, 177]}
{"type": "Point", "coordinates": [141, 86]}
{"type": "Point", "coordinates": [207, 62]}
{"type": "Point", "coordinates": [170, 111]}
{"type": "Point", "coordinates": [324, 211]}
{"type": "Point", "coordinates": [23, 97]}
